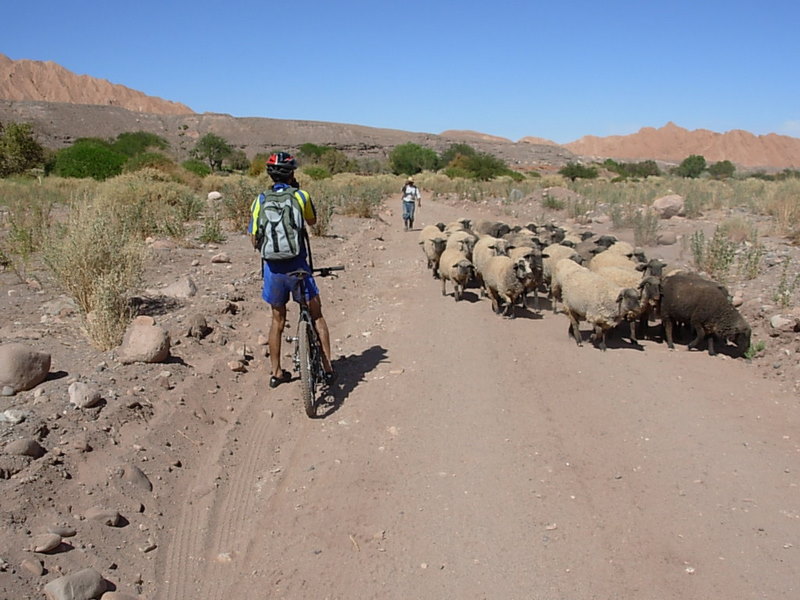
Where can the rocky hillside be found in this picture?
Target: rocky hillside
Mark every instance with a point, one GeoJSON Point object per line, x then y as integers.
{"type": "Point", "coordinates": [49, 82]}
{"type": "Point", "coordinates": [63, 106]}
{"type": "Point", "coordinates": [673, 143]}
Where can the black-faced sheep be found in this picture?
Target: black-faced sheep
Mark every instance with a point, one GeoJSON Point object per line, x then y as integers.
{"type": "Point", "coordinates": [705, 306]}
{"type": "Point", "coordinates": [535, 259]}
{"type": "Point", "coordinates": [505, 280]}
{"type": "Point", "coordinates": [433, 244]}
{"type": "Point", "coordinates": [587, 296]}
{"type": "Point", "coordinates": [456, 268]}
{"type": "Point", "coordinates": [492, 228]}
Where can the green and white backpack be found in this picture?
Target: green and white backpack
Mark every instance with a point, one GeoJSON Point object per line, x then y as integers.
{"type": "Point", "coordinates": [280, 224]}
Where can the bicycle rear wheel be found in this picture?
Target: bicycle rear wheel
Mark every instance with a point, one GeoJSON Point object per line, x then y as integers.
{"type": "Point", "coordinates": [307, 383]}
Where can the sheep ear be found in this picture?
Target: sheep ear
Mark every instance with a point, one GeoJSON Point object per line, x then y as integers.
{"type": "Point", "coordinates": [545, 255]}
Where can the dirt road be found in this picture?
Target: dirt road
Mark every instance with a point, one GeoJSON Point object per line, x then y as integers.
{"type": "Point", "coordinates": [471, 456]}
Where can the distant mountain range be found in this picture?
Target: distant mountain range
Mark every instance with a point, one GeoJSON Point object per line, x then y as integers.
{"type": "Point", "coordinates": [63, 106]}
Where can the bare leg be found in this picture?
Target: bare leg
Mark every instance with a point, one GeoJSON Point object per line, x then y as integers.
{"type": "Point", "coordinates": [315, 308]}
{"type": "Point", "coordinates": [275, 335]}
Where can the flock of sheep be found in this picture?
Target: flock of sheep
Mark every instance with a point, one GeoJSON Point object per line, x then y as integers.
{"type": "Point", "coordinates": [595, 278]}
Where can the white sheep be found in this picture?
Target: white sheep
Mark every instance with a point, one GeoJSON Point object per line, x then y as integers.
{"type": "Point", "coordinates": [455, 238]}
{"type": "Point", "coordinates": [459, 272]}
{"type": "Point", "coordinates": [611, 259]}
{"type": "Point", "coordinates": [555, 253]}
{"type": "Point", "coordinates": [458, 225]}
{"type": "Point", "coordinates": [486, 248]}
{"type": "Point", "coordinates": [505, 280]}
{"type": "Point", "coordinates": [587, 296]}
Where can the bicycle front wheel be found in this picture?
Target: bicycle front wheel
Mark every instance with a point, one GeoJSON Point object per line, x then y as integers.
{"type": "Point", "coordinates": [306, 368]}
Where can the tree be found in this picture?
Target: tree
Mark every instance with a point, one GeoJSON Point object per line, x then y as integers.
{"type": "Point", "coordinates": [213, 149]}
{"type": "Point", "coordinates": [692, 166]}
{"type": "Point", "coordinates": [89, 158]}
{"type": "Point", "coordinates": [137, 142]}
{"type": "Point", "coordinates": [574, 171]}
{"type": "Point", "coordinates": [19, 150]}
{"type": "Point", "coordinates": [722, 169]}
{"type": "Point", "coordinates": [410, 158]}
{"type": "Point", "coordinates": [454, 151]}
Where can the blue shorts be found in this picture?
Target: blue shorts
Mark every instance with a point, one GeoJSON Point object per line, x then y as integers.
{"type": "Point", "coordinates": [279, 286]}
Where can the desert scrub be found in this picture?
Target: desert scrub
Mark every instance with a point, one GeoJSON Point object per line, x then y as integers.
{"type": "Point", "coordinates": [552, 202]}
{"type": "Point", "coordinates": [212, 230]}
{"type": "Point", "coordinates": [754, 349]}
{"type": "Point", "coordinates": [782, 201]}
{"type": "Point", "coordinates": [98, 259]}
{"type": "Point", "coordinates": [787, 284]}
{"type": "Point", "coordinates": [238, 193]}
{"type": "Point", "coordinates": [645, 227]}
{"type": "Point", "coordinates": [148, 201]}
{"type": "Point", "coordinates": [714, 256]}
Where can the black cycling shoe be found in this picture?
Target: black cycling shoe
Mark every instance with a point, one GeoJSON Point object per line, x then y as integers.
{"type": "Point", "coordinates": [285, 377]}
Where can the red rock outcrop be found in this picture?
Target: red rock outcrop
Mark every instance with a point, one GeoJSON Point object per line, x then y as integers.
{"type": "Point", "coordinates": [49, 82]}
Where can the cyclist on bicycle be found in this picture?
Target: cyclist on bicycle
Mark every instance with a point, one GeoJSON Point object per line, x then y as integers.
{"type": "Point", "coordinates": [278, 285]}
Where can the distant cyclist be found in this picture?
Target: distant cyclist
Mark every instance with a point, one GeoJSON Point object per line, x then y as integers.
{"type": "Point", "coordinates": [411, 197]}
{"type": "Point", "coordinates": [278, 286]}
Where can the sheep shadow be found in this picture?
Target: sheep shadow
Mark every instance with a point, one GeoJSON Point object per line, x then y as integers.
{"type": "Point", "coordinates": [350, 370]}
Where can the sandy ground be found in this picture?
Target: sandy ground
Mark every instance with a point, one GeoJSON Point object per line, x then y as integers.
{"type": "Point", "coordinates": [463, 455]}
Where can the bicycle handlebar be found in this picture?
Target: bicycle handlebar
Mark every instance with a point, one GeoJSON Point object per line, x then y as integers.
{"type": "Point", "coordinates": [322, 271]}
{"type": "Point", "coordinates": [326, 271]}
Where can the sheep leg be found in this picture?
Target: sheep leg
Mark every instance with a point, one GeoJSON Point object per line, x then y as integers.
{"type": "Point", "coordinates": [457, 291]}
{"type": "Point", "coordinates": [634, 341]}
{"type": "Point", "coordinates": [535, 300]}
{"type": "Point", "coordinates": [668, 333]}
{"type": "Point", "coordinates": [495, 301]}
{"type": "Point", "coordinates": [599, 334]}
{"type": "Point", "coordinates": [574, 328]}
{"type": "Point", "coordinates": [699, 335]}
{"type": "Point", "coordinates": [444, 286]}
{"type": "Point", "coordinates": [509, 309]}
{"type": "Point", "coordinates": [711, 350]}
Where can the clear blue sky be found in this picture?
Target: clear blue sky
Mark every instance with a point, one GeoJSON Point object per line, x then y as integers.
{"type": "Point", "coordinates": [557, 70]}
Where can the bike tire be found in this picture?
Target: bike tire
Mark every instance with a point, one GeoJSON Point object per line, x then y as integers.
{"type": "Point", "coordinates": [307, 387]}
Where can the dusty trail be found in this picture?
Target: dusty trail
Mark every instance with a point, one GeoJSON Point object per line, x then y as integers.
{"type": "Point", "coordinates": [478, 457]}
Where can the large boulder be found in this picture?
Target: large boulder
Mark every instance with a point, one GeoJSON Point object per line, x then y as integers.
{"type": "Point", "coordinates": [21, 367]}
{"type": "Point", "coordinates": [87, 584]}
{"type": "Point", "coordinates": [669, 206]}
{"type": "Point", "coordinates": [144, 341]}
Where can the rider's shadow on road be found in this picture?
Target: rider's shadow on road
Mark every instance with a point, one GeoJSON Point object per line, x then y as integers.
{"type": "Point", "coordinates": [350, 371]}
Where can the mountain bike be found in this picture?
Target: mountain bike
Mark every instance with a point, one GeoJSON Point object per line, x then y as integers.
{"type": "Point", "coordinates": [307, 354]}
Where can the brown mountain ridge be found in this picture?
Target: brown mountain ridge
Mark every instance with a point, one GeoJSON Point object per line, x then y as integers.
{"type": "Point", "coordinates": [64, 106]}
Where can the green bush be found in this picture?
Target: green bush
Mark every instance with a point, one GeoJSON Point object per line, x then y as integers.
{"type": "Point", "coordinates": [19, 150]}
{"type": "Point", "coordinates": [573, 171]}
{"type": "Point", "coordinates": [145, 160]}
{"type": "Point", "coordinates": [692, 166]}
{"type": "Point", "coordinates": [317, 172]}
{"type": "Point", "coordinates": [89, 158]}
{"type": "Point", "coordinates": [138, 142]}
{"type": "Point", "coordinates": [722, 169]}
{"type": "Point", "coordinates": [410, 159]}
{"type": "Point", "coordinates": [198, 167]}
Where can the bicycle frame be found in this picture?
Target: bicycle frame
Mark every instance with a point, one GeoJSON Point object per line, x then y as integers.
{"type": "Point", "coordinates": [307, 354]}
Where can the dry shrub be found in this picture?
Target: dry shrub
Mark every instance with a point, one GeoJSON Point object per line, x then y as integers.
{"type": "Point", "coordinates": [782, 201]}
{"type": "Point", "coordinates": [98, 259]}
{"type": "Point", "coordinates": [150, 202]}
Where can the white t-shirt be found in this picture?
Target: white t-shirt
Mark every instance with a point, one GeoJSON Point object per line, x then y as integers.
{"type": "Point", "coordinates": [410, 193]}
